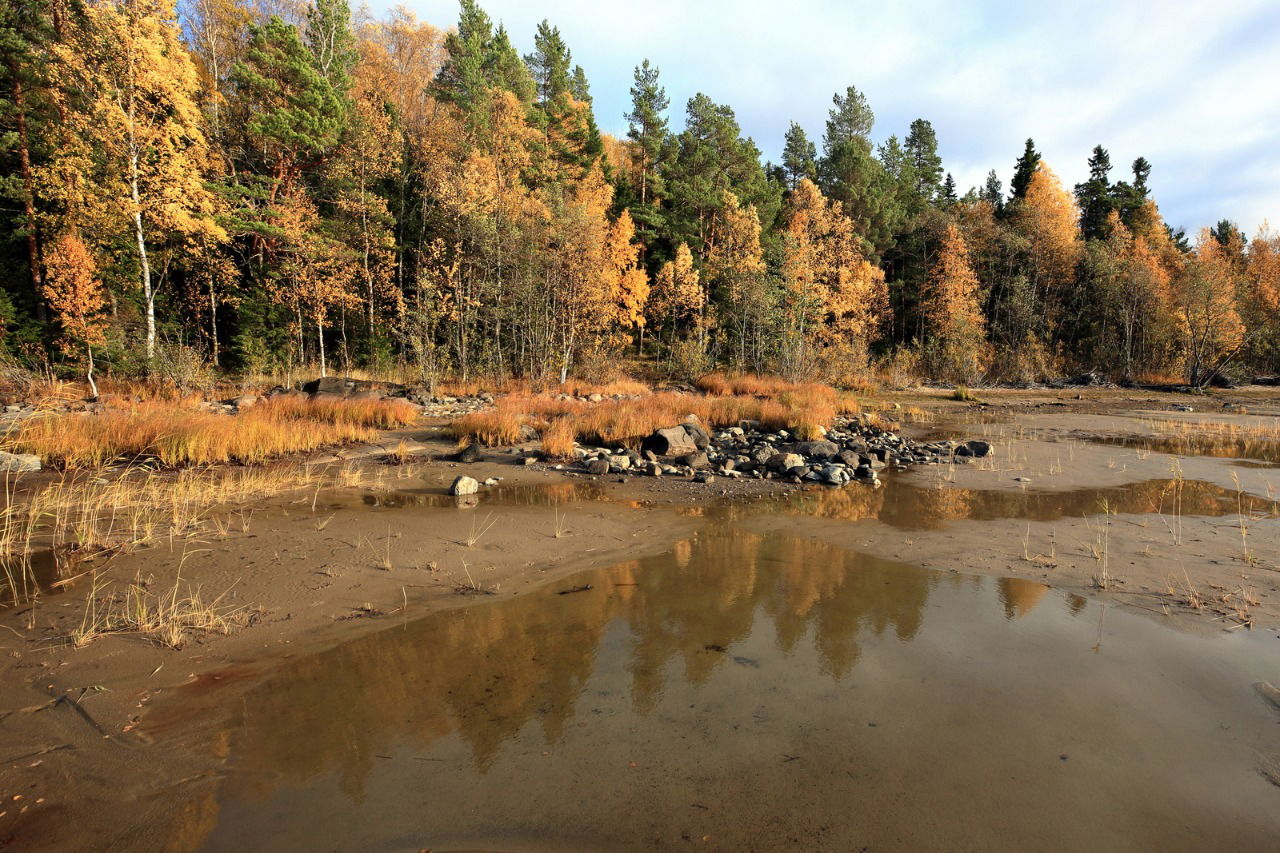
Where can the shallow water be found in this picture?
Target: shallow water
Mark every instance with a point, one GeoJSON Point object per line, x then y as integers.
{"type": "Point", "coordinates": [1219, 447]}
{"type": "Point", "coordinates": [760, 692]}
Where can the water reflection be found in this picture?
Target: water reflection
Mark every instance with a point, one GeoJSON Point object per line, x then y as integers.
{"type": "Point", "coordinates": [1218, 446]}
{"type": "Point", "coordinates": [909, 506]}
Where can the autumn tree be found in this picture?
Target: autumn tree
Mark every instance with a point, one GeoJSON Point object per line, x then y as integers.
{"type": "Point", "coordinates": [1048, 218]}
{"type": "Point", "coordinates": [735, 272]}
{"type": "Point", "coordinates": [1261, 304]}
{"type": "Point", "coordinates": [956, 340]}
{"type": "Point", "coordinates": [77, 298]}
{"type": "Point", "coordinates": [678, 302]}
{"type": "Point", "coordinates": [1212, 329]}
{"type": "Point", "coordinates": [146, 120]}
{"type": "Point", "coordinates": [837, 300]}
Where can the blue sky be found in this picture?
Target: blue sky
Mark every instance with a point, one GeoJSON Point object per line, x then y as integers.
{"type": "Point", "coordinates": [1193, 86]}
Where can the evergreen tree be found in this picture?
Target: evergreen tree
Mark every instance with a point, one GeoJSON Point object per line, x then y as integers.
{"type": "Point", "coordinates": [799, 156]}
{"type": "Point", "coordinates": [921, 146]}
{"type": "Point", "coordinates": [947, 195]}
{"type": "Point", "coordinates": [1023, 171]}
{"type": "Point", "coordinates": [1095, 196]}
{"type": "Point", "coordinates": [848, 120]}
{"type": "Point", "coordinates": [550, 64]}
{"type": "Point", "coordinates": [992, 191]}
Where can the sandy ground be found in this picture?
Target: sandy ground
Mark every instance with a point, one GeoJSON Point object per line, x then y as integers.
{"type": "Point", "coordinates": [308, 571]}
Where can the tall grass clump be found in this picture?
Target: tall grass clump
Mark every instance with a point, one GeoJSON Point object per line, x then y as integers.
{"type": "Point", "coordinates": [178, 435]}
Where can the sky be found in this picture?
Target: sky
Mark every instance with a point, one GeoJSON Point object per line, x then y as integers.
{"type": "Point", "coordinates": [1193, 86]}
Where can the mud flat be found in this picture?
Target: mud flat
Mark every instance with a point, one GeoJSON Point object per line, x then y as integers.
{"type": "Point", "coordinates": [1053, 646]}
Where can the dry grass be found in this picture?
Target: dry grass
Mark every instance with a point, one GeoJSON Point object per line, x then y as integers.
{"type": "Point", "coordinates": [558, 438]}
{"type": "Point", "coordinates": [168, 619]}
{"type": "Point", "coordinates": [177, 433]}
{"type": "Point", "coordinates": [83, 513]}
{"type": "Point", "coordinates": [806, 409]}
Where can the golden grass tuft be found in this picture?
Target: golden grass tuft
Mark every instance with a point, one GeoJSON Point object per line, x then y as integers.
{"type": "Point", "coordinates": [558, 438]}
{"type": "Point", "coordinates": [176, 434]}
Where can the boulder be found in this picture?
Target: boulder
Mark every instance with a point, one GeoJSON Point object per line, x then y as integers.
{"type": "Point", "coordinates": [245, 401]}
{"type": "Point", "coordinates": [468, 454]}
{"type": "Point", "coordinates": [464, 486]}
{"type": "Point", "coordinates": [978, 448]}
{"type": "Point", "coordinates": [785, 462]}
{"type": "Point", "coordinates": [693, 460]}
{"type": "Point", "coordinates": [676, 440]}
{"type": "Point", "coordinates": [816, 449]}
{"type": "Point", "coordinates": [598, 466]}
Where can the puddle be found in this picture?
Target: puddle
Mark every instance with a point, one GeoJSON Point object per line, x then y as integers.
{"type": "Point", "coordinates": [751, 691]}
{"type": "Point", "coordinates": [905, 505]}
{"type": "Point", "coordinates": [38, 572]}
{"type": "Point", "coordinates": [542, 494]}
{"type": "Point", "coordinates": [1203, 445]}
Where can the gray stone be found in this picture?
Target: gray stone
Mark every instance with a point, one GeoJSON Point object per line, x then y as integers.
{"type": "Point", "coordinates": [693, 460]}
{"type": "Point", "coordinates": [468, 454]}
{"type": "Point", "coordinates": [785, 461]}
{"type": "Point", "coordinates": [598, 466]}
{"type": "Point", "coordinates": [464, 486]}
{"type": "Point", "coordinates": [19, 463]}
{"type": "Point", "coordinates": [816, 449]}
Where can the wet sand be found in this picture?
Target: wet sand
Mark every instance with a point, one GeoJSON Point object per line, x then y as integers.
{"type": "Point", "coordinates": [188, 739]}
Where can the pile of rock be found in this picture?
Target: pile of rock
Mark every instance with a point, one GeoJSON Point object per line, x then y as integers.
{"type": "Point", "coordinates": [852, 451]}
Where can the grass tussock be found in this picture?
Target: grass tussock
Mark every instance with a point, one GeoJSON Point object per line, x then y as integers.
{"type": "Point", "coordinates": [177, 434]}
{"type": "Point", "coordinates": [170, 619]}
{"type": "Point", "coordinates": [805, 409]}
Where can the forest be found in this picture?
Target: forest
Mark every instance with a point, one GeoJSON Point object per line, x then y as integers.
{"type": "Point", "coordinates": [275, 187]}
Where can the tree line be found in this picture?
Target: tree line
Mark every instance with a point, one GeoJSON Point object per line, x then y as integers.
{"type": "Point", "coordinates": [272, 185]}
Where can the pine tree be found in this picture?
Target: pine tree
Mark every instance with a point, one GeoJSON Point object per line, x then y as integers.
{"type": "Point", "coordinates": [1023, 171]}
{"type": "Point", "coordinates": [850, 119]}
{"type": "Point", "coordinates": [921, 146]}
{"type": "Point", "coordinates": [647, 127]}
{"type": "Point", "coordinates": [992, 192]}
{"type": "Point", "coordinates": [799, 156]}
{"type": "Point", "coordinates": [1095, 197]}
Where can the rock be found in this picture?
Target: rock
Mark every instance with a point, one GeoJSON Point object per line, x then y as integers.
{"type": "Point", "coordinates": [676, 440]}
{"type": "Point", "coordinates": [245, 401]}
{"type": "Point", "coordinates": [464, 486]}
{"type": "Point", "coordinates": [19, 463]}
{"type": "Point", "coordinates": [784, 461]}
{"type": "Point", "coordinates": [703, 477]}
{"type": "Point", "coordinates": [835, 475]}
{"type": "Point", "coordinates": [529, 460]}
{"type": "Point", "coordinates": [978, 448]}
{"type": "Point", "coordinates": [595, 398]}
{"type": "Point", "coordinates": [850, 458]}
{"type": "Point", "coordinates": [468, 454]}
{"type": "Point", "coordinates": [622, 462]}
{"type": "Point", "coordinates": [693, 460]}
{"type": "Point", "coordinates": [528, 433]}
{"type": "Point", "coordinates": [701, 439]}
{"type": "Point", "coordinates": [816, 449]}
{"type": "Point", "coordinates": [492, 481]}
{"type": "Point", "coordinates": [598, 466]}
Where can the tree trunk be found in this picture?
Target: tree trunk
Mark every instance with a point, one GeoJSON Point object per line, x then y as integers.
{"type": "Point", "coordinates": [320, 346]}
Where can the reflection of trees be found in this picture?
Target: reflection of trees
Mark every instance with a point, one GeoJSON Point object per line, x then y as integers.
{"type": "Point", "coordinates": [1019, 596]}
{"type": "Point", "coordinates": [911, 507]}
{"type": "Point", "coordinates": [486, 671]}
